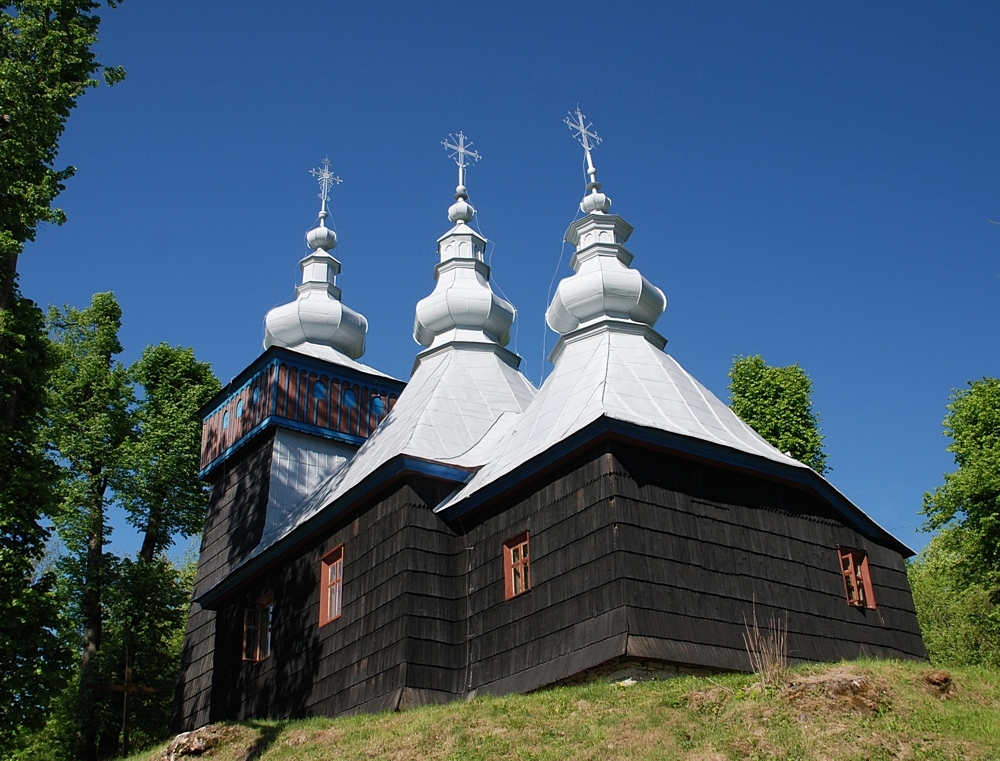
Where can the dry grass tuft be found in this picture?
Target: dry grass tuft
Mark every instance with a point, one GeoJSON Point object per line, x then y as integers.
{"type": "Point", "coordinates": [768, 650]}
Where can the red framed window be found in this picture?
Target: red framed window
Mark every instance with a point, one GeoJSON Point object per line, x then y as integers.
{"type": "Point", "coordinates": [516, 566]}
{"type": "Point", "coordinates": [257, 623]}
{"type": "Point", "coordinates": [331, 586]}
{"type": "Point", "coordinates": [857, 578]}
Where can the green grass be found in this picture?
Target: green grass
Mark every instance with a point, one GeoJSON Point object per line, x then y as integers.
{"type": "Point", "coordinates": [897, 714]}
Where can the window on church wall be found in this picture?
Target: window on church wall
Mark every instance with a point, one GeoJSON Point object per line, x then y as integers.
{"type": "Point", "coordinates": [257, 624]}
{"type": "Point", "coordinates": [516, 566]}
{"type": "Point", "coordinates": [857, 578]}
{"type": "Point", "coordinates": [331, 588]}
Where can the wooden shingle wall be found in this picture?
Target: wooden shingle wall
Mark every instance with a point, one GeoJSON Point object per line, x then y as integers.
{"type": "Point", "coordinates": [399, 641]}
{"type": "Point", "coordinates": [634, 555]}
{"type": "Point", "coordinates": [701, 549]}
{"type": "Point", "coordinates": [233, 526]}
{"type": "Point", "coordinates": [572, 618]}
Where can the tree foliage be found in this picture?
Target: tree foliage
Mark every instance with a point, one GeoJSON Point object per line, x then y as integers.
{"type": "Point", "coordinates": [970, 496]}
{"type": "Point", "coordinates": [959, 618]}
{"type": "Point", "coordinates": [160, 489]}
{"type": "Point", "coordinates": [127, 436]}
{"type": "Point", "coordinates": [89, 413]}
{"type": "Point", "coordinates": [46, 62]}
{"type": "Point", "coordinates": [777, 403]}
{"type": "Point", "coordinates": [157, 594]}
{"type": "Point", "coordinates": [32, 658]}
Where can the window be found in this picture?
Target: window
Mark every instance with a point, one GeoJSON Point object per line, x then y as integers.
{"type": "Point", "coordinates": [857, 578]}
{"type": "Point", "coordinates": [319, 389]}
{"type": "Point", "coordinates": [331, 586]}
{"type": "Point", "coordinates": [257, 629]}
{"type": "Point", "coordinates": [239, 408]}
{"type": "Point", "coordinates": [350, 400]}
{"type": "Point", "coordinates": [516, 571]}
{"type": "Point", "coordinates": [225, 420]}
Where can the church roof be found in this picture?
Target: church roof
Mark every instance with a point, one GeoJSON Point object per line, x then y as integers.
{"type": "Point", "coordinates": [609, 370]}
{"type": "Point", "coordinates": [462, 383]}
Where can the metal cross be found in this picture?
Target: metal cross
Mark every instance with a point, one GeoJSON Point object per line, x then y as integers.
{"type": "Point", "coordinates": [460, 146]}
{"type": "Point", "coordinates": [585, 134]}
{"type": "Point", "coordinates": [327, 179]}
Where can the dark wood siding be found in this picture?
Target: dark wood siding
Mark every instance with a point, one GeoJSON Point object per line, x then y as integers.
{"type": "Point", "coordinates": [234, 523]}
{"type": "Point", "coordinates": [572, 618]}
{"type": "Point", "coordinates": [399, 641]}
{"type": "Point", "coordinates": [701, 548]}
{"type": "Point", "coordinates": [634, 554]}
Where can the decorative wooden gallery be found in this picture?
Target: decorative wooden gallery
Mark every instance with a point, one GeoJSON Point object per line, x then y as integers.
{"type": "Point", "coordinates": [289, 391]}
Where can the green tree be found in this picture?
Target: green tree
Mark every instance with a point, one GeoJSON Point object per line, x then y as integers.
{"type": "Point", "coordinates": [970, 496]}
{"type": "Point", "coordinates": [777, 403]}
{"type": "Point", "coordinates": [959, 619]}
{"type": "Point", "coordinates": [132, 437]}
{"type": "Point", "coordinates": [46, 63]}
{"type": "Point", "coordinates": [89, 411]}
{"type": "Point", "coordinates": [32, 659]}
{"type": "Point", "coordinates": [160, 489]}
{"type": "Point", "coordinates": [158, 594]}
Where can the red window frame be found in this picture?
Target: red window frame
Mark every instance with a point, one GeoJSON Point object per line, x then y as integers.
{"type": "Point", "coordinates": [857, 578]}
{"type": "Point", "coordinates": [516, 566]}
{"type": "Point", "coordinates": [331, 586]}
{"type": "Point", "coordinates": [258, 623]}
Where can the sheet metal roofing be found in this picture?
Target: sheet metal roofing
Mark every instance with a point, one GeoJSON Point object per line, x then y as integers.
{"type": "Point", "coordinates": [460, 387]}
{"type": "Point", "coordinates": [453, 399]}
{"type": "Point", "coordinates": [611, 370]}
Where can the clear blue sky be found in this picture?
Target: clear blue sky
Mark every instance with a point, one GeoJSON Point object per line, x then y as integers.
{"type": "Point", "coordinates": [809, 181]}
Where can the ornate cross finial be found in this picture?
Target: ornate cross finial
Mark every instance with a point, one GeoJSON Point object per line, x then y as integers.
{"type": "Point", "coordinates": [327, 179]}
{"type": "Point", "coordinates": [460, 146]}
{"type": "Point", "coordinates": [585, 134]}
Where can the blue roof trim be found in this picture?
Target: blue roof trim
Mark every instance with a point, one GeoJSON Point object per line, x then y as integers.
{"type": "Point", "coordinates": [395, 468]}
{"type": "Point", "coordinates": [715, 453]}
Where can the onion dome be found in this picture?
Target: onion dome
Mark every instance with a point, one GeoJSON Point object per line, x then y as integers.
{"type": "Point", "coordinates": [317, 316]}
{"type": "Point", "coordinates": [603, 288]}
{"type": "Point", "coordinates": [462, 306]}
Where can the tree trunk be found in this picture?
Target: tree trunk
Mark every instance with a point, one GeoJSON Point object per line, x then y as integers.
{"type": "Point", "coordinates": [93, 620]}
{"type": "Point", "coordinates": [149, 538]}
{"type": "Point", "coordinates": [8, 273]}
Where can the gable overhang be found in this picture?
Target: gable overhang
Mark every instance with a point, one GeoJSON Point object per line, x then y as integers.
{"type": "Point", "coordinates": [687, 447]}
{"type": "Point", "coordinates": [371, 489]}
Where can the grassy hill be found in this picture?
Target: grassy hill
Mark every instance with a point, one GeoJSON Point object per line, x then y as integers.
{"type": "Point", "coordinates": [853, 710]}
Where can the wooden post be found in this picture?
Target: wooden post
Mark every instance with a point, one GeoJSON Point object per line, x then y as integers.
{"type": "Point", "coordinates": [128, 694]}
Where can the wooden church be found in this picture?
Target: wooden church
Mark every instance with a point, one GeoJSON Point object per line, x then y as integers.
{"type": "Point", "coordinates": [377, 545]}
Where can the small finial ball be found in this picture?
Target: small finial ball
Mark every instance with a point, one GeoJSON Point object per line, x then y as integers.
{"type": "Point", "coordinates": [461, 211]}
{"type": "Point", "coordinates": [461, 192]}
{"type": "Point", "coordinates": [321, 237]}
